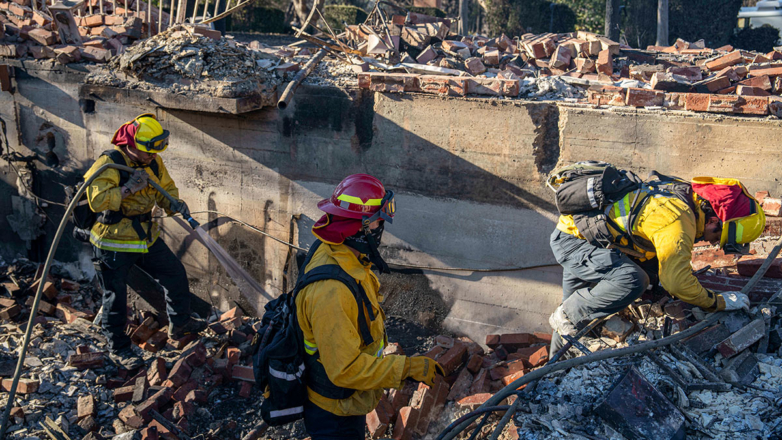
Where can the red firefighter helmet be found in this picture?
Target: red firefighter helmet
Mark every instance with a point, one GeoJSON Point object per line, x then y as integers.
{"type": "Point", "coordinates": [362, 197]}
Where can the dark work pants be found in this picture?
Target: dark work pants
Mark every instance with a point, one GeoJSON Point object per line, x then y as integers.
{"type": "Point", "coordinates": [596, 282]}
{"type": "Point", "coordinates": [323, 425]}
{"type": "Point", "coordinates": [162, 265]}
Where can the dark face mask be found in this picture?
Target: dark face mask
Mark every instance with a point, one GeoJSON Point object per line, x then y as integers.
{"type": "Point", "coordinates": [367, 244]}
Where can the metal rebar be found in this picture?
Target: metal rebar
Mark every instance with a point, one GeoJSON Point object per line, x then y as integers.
{"type": "Point", "coordinates": [287, 95]}
{"type": "Point", "coordinates": [195, 10]}
{"type": "Point", "coordinates": [171, 13]}
{"type": "Point", "coordinates": [206, 10]}
{"type": "Point", "coordinates": [217, 4]}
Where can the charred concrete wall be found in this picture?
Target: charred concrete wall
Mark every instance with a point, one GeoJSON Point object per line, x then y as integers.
{"type": "Point", "coordinates": [469, 173]}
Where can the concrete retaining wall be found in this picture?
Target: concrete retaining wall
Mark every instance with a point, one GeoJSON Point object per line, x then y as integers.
{"type": "Point", "coordinates": [469, 174]}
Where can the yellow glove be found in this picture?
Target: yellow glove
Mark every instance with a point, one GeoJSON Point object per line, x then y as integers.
{"type": "Point", "coordinates": [422, 369]}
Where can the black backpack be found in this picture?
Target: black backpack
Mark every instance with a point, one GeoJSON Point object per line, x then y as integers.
{"type": "Point", "coordinates": [280, 361]}
{"type": "Point", "coordinates": [84, 218]}
{"type": "Point", "coordinates": [586, 189]}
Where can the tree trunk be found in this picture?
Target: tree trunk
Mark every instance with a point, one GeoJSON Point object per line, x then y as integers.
{"type": "Point", "coordinates": [303, 9]}
{"type": "Point", "coordinates": [662, 22]}
{"type": "Point", "coordinates": [612, 19]}
{"type": "Point", "coordinates": [464, 12]}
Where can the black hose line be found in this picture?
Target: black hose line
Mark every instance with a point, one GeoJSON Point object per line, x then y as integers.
{"type": "Point", "coordinates": [465, 421]}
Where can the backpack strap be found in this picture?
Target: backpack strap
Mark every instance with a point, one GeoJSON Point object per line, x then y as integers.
{"type": "Point", "coordinates": [317, 379]}
{"type": "Point", "coordinates": [334, 272]}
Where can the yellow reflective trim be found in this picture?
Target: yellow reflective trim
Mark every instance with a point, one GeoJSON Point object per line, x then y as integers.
{"type": "Point", "coordinates": [358, 201]}
{"type": "Point", "coordinates": [117, 245]}
{"type": "Point", "coordinates": [310, 348]}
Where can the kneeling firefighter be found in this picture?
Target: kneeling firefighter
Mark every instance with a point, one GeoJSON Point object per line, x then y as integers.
{"type": "Point", "coordinates": [612, 224]}
{"type": "Point", "coordinates": [123, 234]}
{"type": "Point", "coordinates": [338, 323]}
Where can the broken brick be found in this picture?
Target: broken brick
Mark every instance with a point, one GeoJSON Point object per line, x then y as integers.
{"type": "Point", "coordinates": [461, 387]}
{"type": "Point", "coordinates": [49, 289]}
{"type": "Point", "coordinates": [157, 372]}
{"type": "Point", "coordinates": [405, 424]}
{"type": "Point", "coordinates": [144, 331]}
{"type": "Point", "coordinates": [123, 394]}
{"type": "Point", "coordinates": [70, 314]}
{"type": "Point", "coordinates": [10, 312]}
{"type": "Point", "coordinates": [129, 417]}
{"type": "Point", "coordinates": [474, 364]}
{"type": "Point", "coordinates": [156, 342]}
{"type": "Point", "coordinates": [742, 339]}
{"type": "Point", "coordinates": [480, 383]}
{"type": "Point", "coordinates": [86, 361]}
{"type": "Point", "coordinates": [150, 433]}
{"type": "Point", "coordinates": [88, 424]}
{"type": "Point", "coordinates": [24, 386]}
{"type": "Point", "coordinates": [245, 390]}
{"type": "Point", "coordinates": [179, 373]}
{"type": "Point", "coordinates": [453, 358]}
{"type": "Point", "coordinates": [644, 98]}
{"type": "Point", "coordinates": [724, 61]}
{"type": "Point", "coordinates": [605, 64]}
{"type": "Point", "coordinates": [435, 352]}
{"type": "Point", "coordinates": [507, 380]}
{"type": "Point", "coordinates": [772, 207]}
{"type": "Point", "coordinates": [393, 348]}
{"type": "Point", "coordinates": [533, 356]}
{"type": "Point", "coordinates": [233, 354]}
{"type": "Point", "coordinates": [235, 312]}
{"type": "Point", "coordinates": [473, 401]}
{"type": "Point", "coordinates": [198, 396]}
{"type": "Point", "coordinates": [182, 409]}
{"type": "Point", "coordinates": [85, 406]}
{"type": "Point", "coordinates": [195, 354]}
{"type": "Point", "coordinates": [241, 372]}
{"type": "Point", "coordinates": [178, 344]}
{"type": "Point", "coordinates": [43, 37]}
{"type": "Point", "coordinates": [377, 422]}
{"type": "Point", "coordinates": [140, 389]}
{"type": "Point", "coordinates": [617, 328]}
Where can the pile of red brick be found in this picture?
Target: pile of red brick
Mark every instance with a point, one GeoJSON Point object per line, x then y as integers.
{"type": "Point", "coordinates": [685, 76]}
{"type": "Point", "coordinates": [472, 376]}
{"type": "Point", "coordinates": [87, 34]}
{"type": "Point", "coordinates": [175, 392]}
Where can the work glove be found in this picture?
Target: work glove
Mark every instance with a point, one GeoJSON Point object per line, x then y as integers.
{"type": "Point", "coordinates": [137, 181]}
{"type": "Point", "coordinates": [735, 300]}
{"type": "Point", "coordinates": [181, 207]}
{"type": "Point", "coordinates": [422, 369]}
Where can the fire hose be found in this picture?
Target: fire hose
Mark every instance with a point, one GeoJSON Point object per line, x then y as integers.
{"type": "Point", "coordinates": [47, 265]}
{"type": "Point", "coordinates": [455, 429]}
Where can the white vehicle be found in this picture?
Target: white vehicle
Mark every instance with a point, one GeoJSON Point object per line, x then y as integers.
{"type": "Point", "coordinates": [766, 12]}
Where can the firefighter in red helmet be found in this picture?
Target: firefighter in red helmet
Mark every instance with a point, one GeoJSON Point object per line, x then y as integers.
{"type": "Point", "coordinates": [342, 325]}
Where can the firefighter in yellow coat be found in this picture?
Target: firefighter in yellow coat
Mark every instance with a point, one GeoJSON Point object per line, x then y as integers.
{"type": "Point", "coordinates": [669, 218]}
{"type": "Point", "coordinates": [344, 334]}
{"type": "Point", "coordinates": [125, 235]}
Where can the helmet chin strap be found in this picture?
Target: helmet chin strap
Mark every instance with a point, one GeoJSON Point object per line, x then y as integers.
{"type": "Point", "coordinates": [367, 242]}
